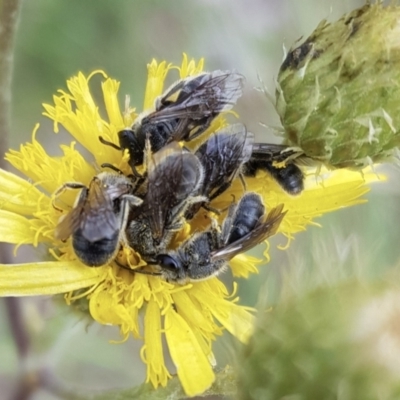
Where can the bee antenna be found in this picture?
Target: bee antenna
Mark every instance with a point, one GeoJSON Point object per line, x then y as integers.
{"type": "Point", "coordinates": [108, 165]}
{"type": "Point", "coordinates": [111, 144]}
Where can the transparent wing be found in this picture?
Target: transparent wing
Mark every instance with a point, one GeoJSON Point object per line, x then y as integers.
{"type": "Point", "coordinates": [94, 215]}
{"type": "Point", "coordinates": [262, 231]}
{"type": "Point", "coordinates": [99, 219]}
{"type": "Point", "coordinates": [70, 222]}
{"type": "Point", "coordinates": [196, 99]}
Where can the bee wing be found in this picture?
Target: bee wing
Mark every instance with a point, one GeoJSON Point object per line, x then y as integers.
{"type": "Point", "coordinates": [213, 92]}
{"type": "Point", "coordinates": [223, 154]}
{"type": "Point", "coordinates": [173, 175]}
{"type": "Point", "coordinates": [99, 219]}
{"type": "Point", "coordinates": [70, 222]}
{"type": "Point", "coordinates": [261, 232]}
{"type": "Point", "coordinates": [94, 215]}
{"type": "Point", "coordinates": [198, 98]}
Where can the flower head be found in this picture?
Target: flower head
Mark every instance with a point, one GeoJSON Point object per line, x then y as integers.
{"type": "Point", "coordinates": [190, 316]}
{"type": "Point", "coordinates": [338, 95]}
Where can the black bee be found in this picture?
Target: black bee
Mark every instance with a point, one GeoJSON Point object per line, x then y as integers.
{"type": "Point", "coordinates": [97, 220]}
{"type": "Point", "coordinates": [222, 157]}
{"type": "Point", "coordinates": [182, 113]}
{"type": "Point", "coordinates": [264, 156]}
{"type": "Point", "coordinates": [173, 178]}
{"type": "Point", "coordinates": [206, 254]}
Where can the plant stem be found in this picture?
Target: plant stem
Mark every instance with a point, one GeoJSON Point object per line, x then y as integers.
{"type": "Point", "coordinates": [9, 16]}
{"type": "Point", "coordinates": [9, 13]}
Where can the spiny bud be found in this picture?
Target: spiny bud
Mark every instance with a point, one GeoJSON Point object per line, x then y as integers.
{"type": "Point", "coordinates": [338, 342]}
{"type": "Point", "coordinates": [338, 93]}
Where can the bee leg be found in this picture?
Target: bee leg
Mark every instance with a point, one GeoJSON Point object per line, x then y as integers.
{"type": "Point", "coordinates": [161, 245]}
{"type": "Point", "coordinates": [133, 200]}
{"type": "Point", "coordinates": [142, 271]}
{"type": "Point", "coordinates": [139, 271]}
{"type": "Point", "coordinates": [126, 201]}
{"type": "Point", "coordinates": [147, 151]}
{"type": "Point", "coordinates": [251, 167]}
{"type": "Point", "coordinates": [217, 237]}
{"type": "Point", "coordinates": [228, 222]}
{"type": "Point", "coordinates": [201, 129]}
{"type": "Point", "coordinates": [220, 190]}
{"type": "Point", "coordinates": [179, 212]}
{"type": "Point", "coordinates": [212, 209]}
{"type": "Point", "coordinates": [135, 172]}
{"type": "Point", "coordinates": [226, 186]}
{"type": "Point", "coordinates": [107, 143]}
{"type": "Point", "coordinates": [137, 180]}
{"type": "Point", "coordinates": [55, 207]}
{"type": "Point", "coordinates": [193, 129]}
{"type": "Point", "coordinates": [241, 177]}
{"type": "Point", "coordinates": [68, 185]}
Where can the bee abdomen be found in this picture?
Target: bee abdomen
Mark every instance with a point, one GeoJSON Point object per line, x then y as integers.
{"type": "Point", "coordinates": [95, 254]}
{"type": "Point", "coordinates": [249, 212]}
{"type": "Point", "coordinates": [290, 178]}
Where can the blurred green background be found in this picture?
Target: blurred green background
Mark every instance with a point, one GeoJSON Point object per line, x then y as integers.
{"type": "Point", "coordinates": [56, 39]}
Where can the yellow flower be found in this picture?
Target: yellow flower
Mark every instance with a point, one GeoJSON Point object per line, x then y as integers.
{"type": "Point", "coordinates": [188, 316]}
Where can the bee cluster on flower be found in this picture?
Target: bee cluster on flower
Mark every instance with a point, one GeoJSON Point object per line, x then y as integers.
{"type": "Point", "coordinates": [162, 208]}
{"type": "Point", "coordinates": [145, 209]}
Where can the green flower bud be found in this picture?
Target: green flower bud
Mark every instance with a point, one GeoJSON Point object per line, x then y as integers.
{"type": "Point", "coordinates": [334, 343]}
{"type": "Point", "coordinates": [338, 93]}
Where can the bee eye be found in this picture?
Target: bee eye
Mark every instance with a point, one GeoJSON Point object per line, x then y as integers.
{"type": "Point", "coordinates": [167, 262]}
{"type": "Point", "coordinates": [126, 137]}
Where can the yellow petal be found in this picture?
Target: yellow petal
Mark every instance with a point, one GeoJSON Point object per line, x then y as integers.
{"type": "Point", "coordinates": [189, 68]}
{"type": "Point", "coordinates": [106, 309]}
{"type": "Point", "coordinates": [325, 193]}
{"type": "Point", "coordinates": [110, 94]}
{"type": "Point", "coordinates": [45, 278]}
{"type": "Point", "coordinates": [15, 229]}
{"type": "Point", "coordinates": [206, 346]}
{"type": "Point", "coordinates": [152, 353]}
{"type": "Point", "coordinates": [51, 172]}
{"type": "Point", "coordinates": [18, 195]}
{"type": "Point", "coordinates": [193, 368]}
{"type": "Point", "coordinates": [156, 74]}
{"type": "Point", "coordinates": [191, 311]}
{"type": "Point", "coordinates": [235, 318]}
{"type": "Point", "coordinates": [80, 116]}
{"type": "Point", "coordinates": [242, 265]}
{"type": "Point", "coordinates": [80, 91]}
{"type": "Point", "coordinates": [342, 189]}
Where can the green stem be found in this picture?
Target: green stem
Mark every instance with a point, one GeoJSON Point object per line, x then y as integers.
{"type": "Point", "coordinates": [9, 16]}
{"type": "Point", "coordinates": [9, 13]}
